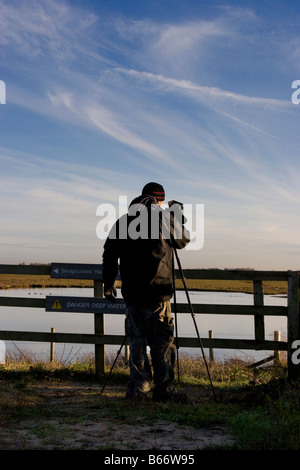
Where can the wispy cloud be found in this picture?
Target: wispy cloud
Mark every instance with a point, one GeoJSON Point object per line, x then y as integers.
{"type": "Point", "coordinates": [39, 28]}
{"type": "Point", "coordinates": [196, 103]}
{"type": "Point", "coordinates": [61, 177]}
{"type": "Point", "coordinates": [204, 94]}
{"type": "Point", "coordinates": [53, 204]}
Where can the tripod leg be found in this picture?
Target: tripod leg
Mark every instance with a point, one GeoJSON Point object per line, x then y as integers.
{"type": "Point", "coordinates": [116, 358]}
{"type": "Point", "coordinates": [195, 323]}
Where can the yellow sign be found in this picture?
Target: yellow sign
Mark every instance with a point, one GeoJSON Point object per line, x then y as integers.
{"type": "Point", "coordinates": [56, 305]}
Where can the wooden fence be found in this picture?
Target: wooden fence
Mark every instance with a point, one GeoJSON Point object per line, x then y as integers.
{"type": "Point", "coordinates": [99, 306]}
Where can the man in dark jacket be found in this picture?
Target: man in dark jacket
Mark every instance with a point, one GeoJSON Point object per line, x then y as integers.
{"type": "Point", "coordinates": [143, 241]}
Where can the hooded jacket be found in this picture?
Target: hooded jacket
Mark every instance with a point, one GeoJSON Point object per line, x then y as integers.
{"type": "Point", "coordinates": [142, 241]}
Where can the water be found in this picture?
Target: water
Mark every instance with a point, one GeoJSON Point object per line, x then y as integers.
{"type": "Point", "coordinates": [223, 326]}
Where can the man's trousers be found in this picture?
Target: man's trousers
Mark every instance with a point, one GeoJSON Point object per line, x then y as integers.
{"type": "Point", "coordinates": [152, 326]}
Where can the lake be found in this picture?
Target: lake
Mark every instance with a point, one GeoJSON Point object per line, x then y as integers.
{"type": "Point", "coordinates": [223, 326]}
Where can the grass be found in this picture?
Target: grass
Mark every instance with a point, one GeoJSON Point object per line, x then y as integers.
{"type": "Point", "coordinates": [9, 281]}
{"type": "Point", "coordinates": [259, 407]}
{"type": "Point", "coordinates": [25, 281]}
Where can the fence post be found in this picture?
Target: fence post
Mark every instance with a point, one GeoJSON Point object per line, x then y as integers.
{"type": "Point", "coordinates": [99, 330]}
{"type": "Point", "coordinates": [52, 347]}
{"type": "Point", "coordinates": [277, 361]}
{"type": "Point", "coordinates": [127, 353]}
{"type": "Point", "coordinates": [2, 352]}
{"type": "Point", "coordinates": [293, 322]}
{"type": "Point", "coordinates": [211, 350]}
{"type": "Point", "coordinates": [259, 321]}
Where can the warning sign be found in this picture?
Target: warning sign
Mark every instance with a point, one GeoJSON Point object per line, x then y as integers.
{"type": "Point", "coordinates": [84, 305]}
{"type": "Point", "coordinates": [56, 305]}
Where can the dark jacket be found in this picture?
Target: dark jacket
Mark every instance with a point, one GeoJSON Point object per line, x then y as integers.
{"type": "Point", "coordinates": [145, 257]}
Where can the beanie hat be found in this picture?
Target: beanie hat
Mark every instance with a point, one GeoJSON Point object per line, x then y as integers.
{"type": "Point", "coordinates": [154, 189]}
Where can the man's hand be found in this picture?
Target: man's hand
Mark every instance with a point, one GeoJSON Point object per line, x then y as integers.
{"type": "Point", "coordinates": [176, 203]}
{"type": "Point", "coordinates": [176, 209]}
{"type": "Point", "coordinates": [110, 294]}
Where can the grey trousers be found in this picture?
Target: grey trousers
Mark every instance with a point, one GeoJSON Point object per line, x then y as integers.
{"type": "Point", "coordinates": [152, 325]}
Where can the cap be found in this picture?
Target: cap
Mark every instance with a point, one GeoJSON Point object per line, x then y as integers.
{"type": "Point", "coordinates": [154, 189]}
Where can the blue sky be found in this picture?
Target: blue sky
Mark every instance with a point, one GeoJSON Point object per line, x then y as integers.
{"type": "Point", "coordinates": [105, 96]}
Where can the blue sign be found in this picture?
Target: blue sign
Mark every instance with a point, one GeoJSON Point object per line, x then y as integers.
{"type": "Point", "coordinates": [84, 305]}
{"type": "Point", "coordinates": [76, 271]}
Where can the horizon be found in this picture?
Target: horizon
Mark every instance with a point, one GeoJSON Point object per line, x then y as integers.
{"type": "Point", "coordinates": [33, 263]}
{"type": "Point", "coordinates": [99, 98]}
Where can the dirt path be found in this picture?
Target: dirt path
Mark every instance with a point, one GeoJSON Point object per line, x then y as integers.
{"type": "Point", "coordinates": [76, 416]}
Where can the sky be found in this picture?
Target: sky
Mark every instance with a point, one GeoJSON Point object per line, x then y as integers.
{"type": "Point", "coordinates": [102, 97]}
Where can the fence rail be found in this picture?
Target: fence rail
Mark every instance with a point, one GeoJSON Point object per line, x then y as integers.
{"type": "Point", "coordinates": [99, 307]}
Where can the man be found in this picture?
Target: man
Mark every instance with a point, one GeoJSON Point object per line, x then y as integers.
{"type": "Point", "coordinates": [143, 241]}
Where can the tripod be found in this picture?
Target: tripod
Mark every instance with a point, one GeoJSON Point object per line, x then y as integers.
{"type": "Point", "coordinates": [116, 358]}
{"type": "Point", "coordinates": [194, 319]}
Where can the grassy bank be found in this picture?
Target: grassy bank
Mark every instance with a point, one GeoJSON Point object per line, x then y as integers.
{"type": "Point", "coordinates": [259, 409]}
{"type": "Point", "coordinates": [11, 281]}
